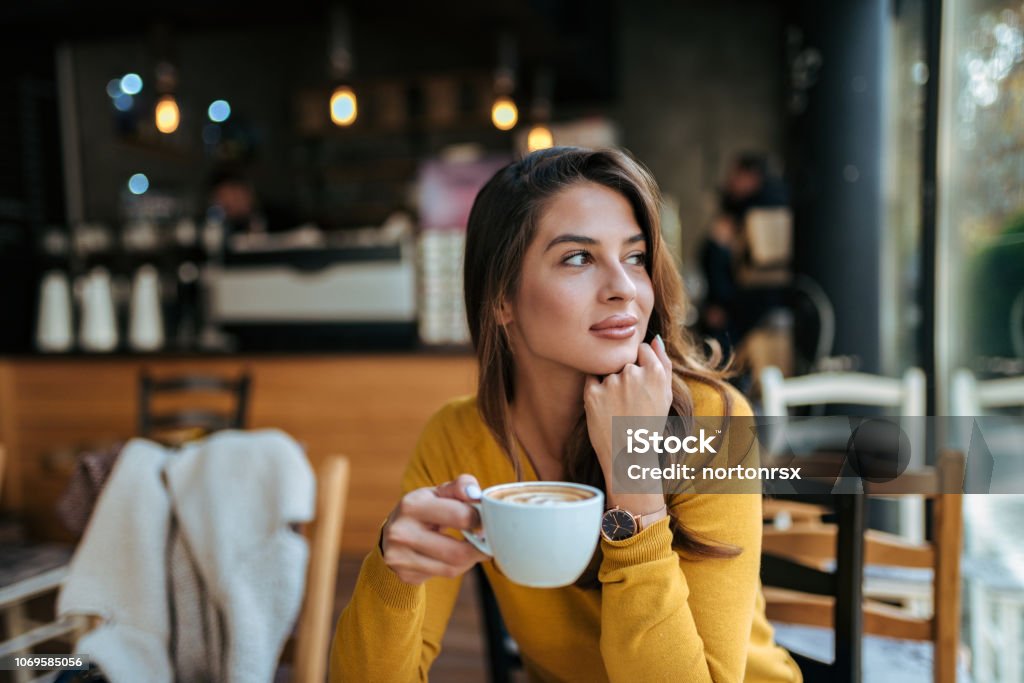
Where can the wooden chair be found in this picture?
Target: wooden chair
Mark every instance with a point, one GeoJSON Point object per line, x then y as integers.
{"type": "Point", "coordinates": [782, 514]}
{"type": "Point", "coordinates": [30, 571]}
{"type": "Point", "coordinates": [23, 633]}
{"type": "Point", "coordinates": [40, 569]}
{"type": "Point", "coordinates": [194, 420]}
{"type": "Point", "coordinates": [311, 637]}
{"type": "Point", "coordinates": [906, 395]}
{"type": "Point", "coordinates": [799, 590]}
{"type": "Point", "coordinates": [316, 620]}
{"type": "Point", "coordinates": [503, 657]}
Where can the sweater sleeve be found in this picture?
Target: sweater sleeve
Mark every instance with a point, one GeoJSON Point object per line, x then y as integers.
{"type": "Point", "coordinates": [666, 615]}
{"type": "Point", "coordinates": [391, 630]}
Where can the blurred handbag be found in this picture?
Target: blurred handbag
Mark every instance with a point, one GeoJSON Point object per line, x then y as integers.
{"type": "Point", "coordinates": [92, 470]}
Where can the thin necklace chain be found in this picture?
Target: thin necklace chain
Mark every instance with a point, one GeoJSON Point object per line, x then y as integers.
{"type": "Point", "coordinates": [529, 455]}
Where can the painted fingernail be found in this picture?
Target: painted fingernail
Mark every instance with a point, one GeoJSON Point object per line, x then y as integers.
{"type": "Point", "coordinates": [660, 340]}
{"type": "Point", "coordinates": [472, 491]}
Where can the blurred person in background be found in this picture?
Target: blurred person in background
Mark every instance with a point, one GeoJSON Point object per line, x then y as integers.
{"type": "Point", "coordinates": [730, 309]}
{"type": "Point", "coordinates": [716, 260]}
{"type": "Point", "coordinates": [575, 310]}
{"type": "Point", "coordinates": [232, 195]}
{"type": "Point", "coordinates": [748, 184]}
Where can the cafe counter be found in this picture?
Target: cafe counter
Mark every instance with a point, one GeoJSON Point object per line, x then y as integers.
{"type": "Point", "coordinates": [370, 407]}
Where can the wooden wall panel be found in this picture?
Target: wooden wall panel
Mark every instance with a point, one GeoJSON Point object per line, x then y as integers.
{"type": "Point", "coordinates": [369, 407]}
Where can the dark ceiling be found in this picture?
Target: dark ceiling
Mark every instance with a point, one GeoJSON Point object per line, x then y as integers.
{"type": "Point", "coordinates": [574, 38]}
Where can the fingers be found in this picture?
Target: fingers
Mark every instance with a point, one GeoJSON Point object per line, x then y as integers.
{"type": "Point", "coordinates": [429, 508]}
{"type": "Point", "coordinates": [654, 354]}
{"type": "Point", "coordinates": [465, 488]}
{"type": "Point", "coordinates": [443, 548]}
{"type": "Point", "coordinates": [647, 358]}
{"type": "Point", "coordinates": [662, 353]}
{"type": "Point", "coordinates": [418, 555]}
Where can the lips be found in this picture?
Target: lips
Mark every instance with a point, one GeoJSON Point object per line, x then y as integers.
{"type": "Point", "coordinates": [614, 322]}
{"type": "Point", "coordinates": [616, 327]}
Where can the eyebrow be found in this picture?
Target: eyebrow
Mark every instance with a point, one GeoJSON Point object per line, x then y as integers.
{"type": "Point", "coordinates": [582, 239]}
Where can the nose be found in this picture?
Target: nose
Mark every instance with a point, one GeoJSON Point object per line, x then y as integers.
{"type": "Point", "coordinates": [618, 285]}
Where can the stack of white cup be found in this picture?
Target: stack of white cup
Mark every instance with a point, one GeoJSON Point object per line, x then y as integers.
{"type": "Point", "coordinates": [54, 326]}
{"type": "Point", "coordinates": [145, 327]}
{"type": "Point", "coordinates": [98, 331]}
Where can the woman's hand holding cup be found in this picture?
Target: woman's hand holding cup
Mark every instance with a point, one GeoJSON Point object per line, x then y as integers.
{"type": "Point", "coordinates": [413, 541]}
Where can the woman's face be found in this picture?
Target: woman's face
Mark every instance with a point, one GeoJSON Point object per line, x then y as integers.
{"type": "Point", "coordinates": [584, 297]}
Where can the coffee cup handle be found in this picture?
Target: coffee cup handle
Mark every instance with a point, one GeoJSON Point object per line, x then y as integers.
{"type": "Point", "coordinates": [478, 541]}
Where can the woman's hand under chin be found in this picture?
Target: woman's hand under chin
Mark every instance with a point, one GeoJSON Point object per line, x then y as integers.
{"type": "Point", "coordinates": [643, 388]}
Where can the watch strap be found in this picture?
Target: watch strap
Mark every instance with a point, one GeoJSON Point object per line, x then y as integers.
{"type": "Point", "coordinates": [651, 518]}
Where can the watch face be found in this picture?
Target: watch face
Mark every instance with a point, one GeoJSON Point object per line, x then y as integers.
{"type": "Point", "coordinates": [618, 525]}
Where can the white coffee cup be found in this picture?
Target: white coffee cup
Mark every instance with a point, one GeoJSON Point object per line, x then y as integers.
{"type": "Point", "coordinates": [541, 534]}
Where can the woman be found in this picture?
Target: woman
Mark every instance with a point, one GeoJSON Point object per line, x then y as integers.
{"type": "Point", "coordinates": [566, 275]}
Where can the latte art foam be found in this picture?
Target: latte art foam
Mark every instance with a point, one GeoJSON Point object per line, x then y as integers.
{"type": "Point", "coordinates": [541, 495]}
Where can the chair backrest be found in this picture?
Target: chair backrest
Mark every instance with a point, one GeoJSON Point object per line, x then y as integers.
{"type": "Point", "coordinates": [313, 628]}
{"type": "Point", "coordinates": [905, 395]}
{"type": "Point", "coordinates": [203, 420]}
{"type": "Point", "coordinates": [971, 398]}
{"type": "Point", "coordinates": [313, 633]}
{"type": "Point", "coordinates": [779, 394]}
{"type": "Point", "coordinates": [798, 591]}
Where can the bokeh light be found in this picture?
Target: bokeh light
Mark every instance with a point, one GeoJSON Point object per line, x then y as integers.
{"type": "Point", "coordinates": [124, 102]}
{"type": "Point", "coordinates": [219, 111]}
{"type": "Point", "coordinates": [504, 113]}
{"type": "Point", "coordinates": [138, 183]}
{"type": "Point", "coordinates": [131, 84]}
{"type": "Point", "coordinates": [539, 137]}
{"type": "Point", "coordinates": [167, 115]}
{"type": "Point", "coordinates": [344, 108]}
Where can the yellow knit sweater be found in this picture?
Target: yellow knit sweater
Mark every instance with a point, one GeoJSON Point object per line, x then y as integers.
{"type": "Point", "coordinates": [658, 616]}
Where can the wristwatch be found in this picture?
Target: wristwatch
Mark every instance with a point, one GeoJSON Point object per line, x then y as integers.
{"type": "Point", "coordinates": [618, 524]}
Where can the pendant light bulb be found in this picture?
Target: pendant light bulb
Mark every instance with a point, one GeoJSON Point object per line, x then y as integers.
{"type": "Point", "coordinates": [167, 115]}
{"type": "Point", "coordinates": [344, 107]}
{"type": "Point", "coordinates": [504, 114]}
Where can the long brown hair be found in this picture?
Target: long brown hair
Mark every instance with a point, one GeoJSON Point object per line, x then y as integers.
{"type": "Point", "coordinates": [502, 224]}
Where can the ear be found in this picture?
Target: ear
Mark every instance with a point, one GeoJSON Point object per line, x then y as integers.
{"type": "Point", "coordinates": [503, 312]}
